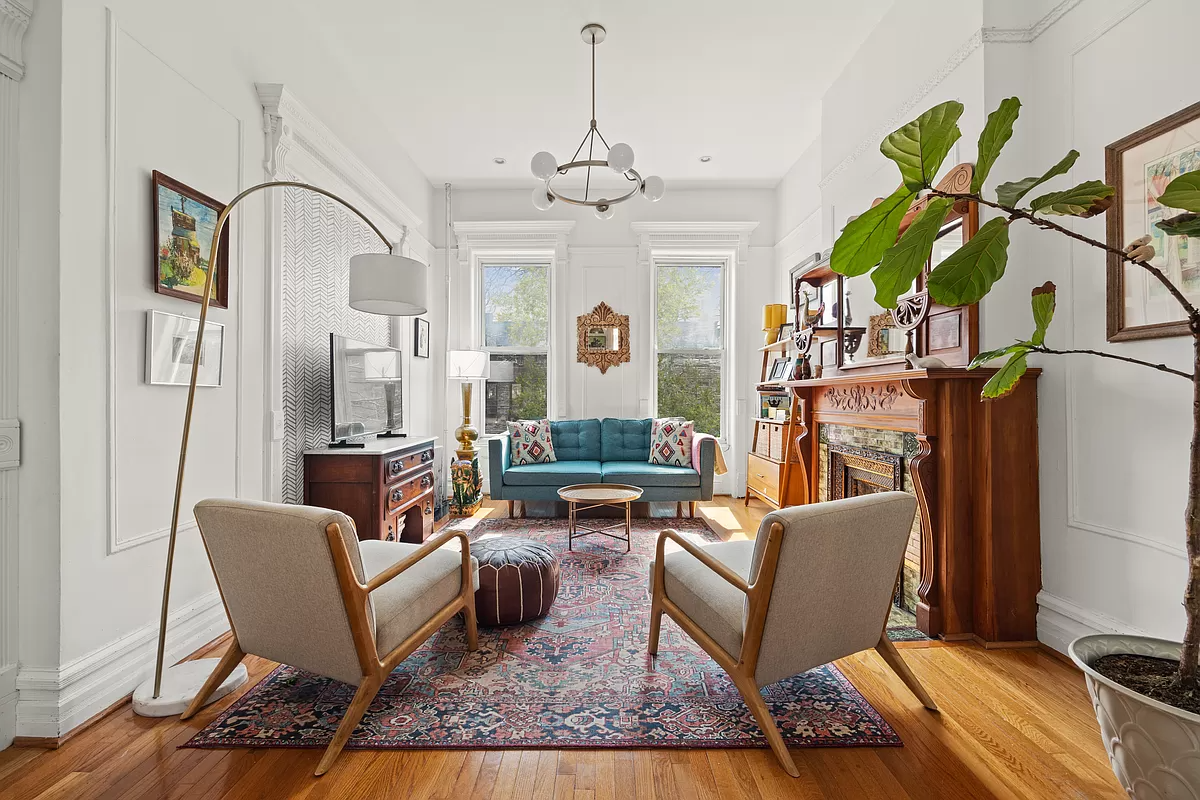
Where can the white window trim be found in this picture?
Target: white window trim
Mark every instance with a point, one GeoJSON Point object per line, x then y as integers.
{"type": "Point", "coordinates": [725, 262]}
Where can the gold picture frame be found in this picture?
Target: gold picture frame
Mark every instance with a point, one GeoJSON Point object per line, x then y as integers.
{"type": "Point", "coordinates": [603, 338]}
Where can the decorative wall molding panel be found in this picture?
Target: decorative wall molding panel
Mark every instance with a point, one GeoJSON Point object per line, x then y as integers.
{"type": "Point", "coordinates": [53, 701]}
{"type": "Point", "coordinates": [14, 19]}
{"type": "Point", "coordinates": [318, 240]}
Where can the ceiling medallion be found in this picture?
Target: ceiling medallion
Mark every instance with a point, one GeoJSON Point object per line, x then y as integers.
{"type": "Point", "coordinates": [619, 158]}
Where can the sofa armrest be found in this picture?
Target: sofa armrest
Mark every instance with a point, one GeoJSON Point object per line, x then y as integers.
{"type": "Point", "coordinates": [708, 462]}
{"type": "Point", "coordinates": [498, 462]}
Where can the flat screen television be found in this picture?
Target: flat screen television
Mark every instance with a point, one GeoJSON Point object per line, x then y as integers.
{"type": "Point", "coordinates": [366, 394]}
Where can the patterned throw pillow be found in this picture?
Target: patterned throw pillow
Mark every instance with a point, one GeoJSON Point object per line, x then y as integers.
{"type": "Point", "coordinates": [671, 442]}
{"type": "Point", "coordinates": [529, 441]}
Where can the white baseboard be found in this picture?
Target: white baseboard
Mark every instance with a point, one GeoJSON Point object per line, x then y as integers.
{"type": "Point", "coordinates": [8, 705]}
{"type": "Point", "coordinates": [1060, 621]}
{"type": "Point", "coordinates": [52, 701]}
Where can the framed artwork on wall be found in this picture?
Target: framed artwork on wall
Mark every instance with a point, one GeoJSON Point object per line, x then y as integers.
{"type": "Point", "coordinates": [1139, 167]}
{"type": "Point", "coordinates": [421, 338]}
{"type": "Point", "coordinates": [184, 221]}
{"type": "Point", "coordinates": [171, 350]}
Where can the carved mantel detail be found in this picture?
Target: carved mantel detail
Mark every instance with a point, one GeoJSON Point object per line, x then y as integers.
{"type": "Point", "coordinates": [876, 397]}
{"type": "Point", "coordinates": [14, 19]}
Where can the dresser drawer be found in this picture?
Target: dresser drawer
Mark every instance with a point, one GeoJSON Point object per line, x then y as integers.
{"type": "Point", "coordinates": [403, 493]}
{"type": "Point", "coordinates": [763, 476]}
{"type": "Point", "coordinates": [415, 524]}
{"type": "Point", "coordinates": [397, 466]}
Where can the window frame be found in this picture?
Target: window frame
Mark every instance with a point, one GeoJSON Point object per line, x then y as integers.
{"type": "Point", "coordinates": [725, 262]}
{"type": "Point", "coordinates": [483, 262]}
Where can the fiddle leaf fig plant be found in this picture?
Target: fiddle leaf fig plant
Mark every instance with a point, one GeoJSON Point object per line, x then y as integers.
{"type": "Point", "coordinates": [873, 243]}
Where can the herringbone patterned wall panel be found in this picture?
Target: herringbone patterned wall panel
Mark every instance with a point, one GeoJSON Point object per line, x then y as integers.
{"type": "Point", "coordinates": [318, 240]}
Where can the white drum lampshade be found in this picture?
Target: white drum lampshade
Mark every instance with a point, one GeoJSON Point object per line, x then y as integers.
{"type": "Point", "coordinates": [382, 283]}
{"type": "Point", "coordinates": [467, 365]}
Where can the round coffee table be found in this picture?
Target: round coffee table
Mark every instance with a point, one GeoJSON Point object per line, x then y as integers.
{"type": "Point", "coordinates": [596, 495]}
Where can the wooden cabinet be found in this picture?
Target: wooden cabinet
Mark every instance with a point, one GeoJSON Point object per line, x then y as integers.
{"type": "Point", "coordinates": [385, 487]}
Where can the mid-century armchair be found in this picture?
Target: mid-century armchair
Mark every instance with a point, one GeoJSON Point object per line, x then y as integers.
{"type": "Point", "coordinates": [815, 585]}
{"type": "Point", "coordinates": [299, 588]}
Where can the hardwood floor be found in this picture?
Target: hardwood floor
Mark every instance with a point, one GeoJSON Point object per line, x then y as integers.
{"type": "Point", "coordinates": [1014, 724]}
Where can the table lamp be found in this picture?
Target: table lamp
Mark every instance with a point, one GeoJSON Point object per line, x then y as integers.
{"type": "Point", "coordinates": [467, 366]}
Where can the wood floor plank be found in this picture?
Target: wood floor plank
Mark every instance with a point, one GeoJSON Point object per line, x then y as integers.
{"type": "Point", "coordinates": [1014, 724]}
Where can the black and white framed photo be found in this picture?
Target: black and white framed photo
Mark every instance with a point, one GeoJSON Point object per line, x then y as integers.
{"type": "Point", "coordinates": [421, 338]}
{"type": "Point", "coordinates": [779, 369]}
{"type": "Point", "coordinates": [171, 350]}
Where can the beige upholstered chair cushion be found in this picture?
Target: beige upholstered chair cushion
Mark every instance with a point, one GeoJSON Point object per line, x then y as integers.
{"type": "Point", "coordinates": [837, 569]}
{"type": "Point", "coordinates": [713, 604]}
{"type": "Point", "coordinates": [276, 576]}
{"type": "Point", "coordinates": [404, 604]}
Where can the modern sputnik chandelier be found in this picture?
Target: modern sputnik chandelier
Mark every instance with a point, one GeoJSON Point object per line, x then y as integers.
{"type": "Point", "coordinates": [619, 159]}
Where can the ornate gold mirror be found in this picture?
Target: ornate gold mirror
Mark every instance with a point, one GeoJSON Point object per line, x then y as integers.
{"type": "Point", "coordinates": [603, 338]}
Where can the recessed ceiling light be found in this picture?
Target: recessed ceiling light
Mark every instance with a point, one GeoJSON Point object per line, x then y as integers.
{"type": "Point", "coordinates": [499, 160]}
{"type": "Point", "coordinates": [705, 159]}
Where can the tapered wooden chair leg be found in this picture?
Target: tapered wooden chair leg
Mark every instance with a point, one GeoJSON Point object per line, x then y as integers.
{"type": "Point", "coordinates": [891, 655]}
{"type": "Point", "coordinates": [228, 663]}
{"type": "Point", "coordinates": [358, 706]}
{"type": "Point", "coordinates": [656, 613]}
{"type": "Point", "coordinates": [754, 699]}
{"type": "Point", "coordinates": [472, 623]}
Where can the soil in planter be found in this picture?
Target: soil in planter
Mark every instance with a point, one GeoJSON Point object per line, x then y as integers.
{"type": "Point", "coordinates": [1149, 676]}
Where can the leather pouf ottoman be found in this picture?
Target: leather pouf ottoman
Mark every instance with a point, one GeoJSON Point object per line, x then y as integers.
{"type": "Point", "coordinates": [518, 580]}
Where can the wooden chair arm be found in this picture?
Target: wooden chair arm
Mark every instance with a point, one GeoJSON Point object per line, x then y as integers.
{"type": "Point", "coordinates": [704, 558]}
{"type": "Point", "coordinates": [424, 550]}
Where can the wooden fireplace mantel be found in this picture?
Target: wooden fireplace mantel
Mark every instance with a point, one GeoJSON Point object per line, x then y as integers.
{"type": "Point", "coordinates": [976, 480]}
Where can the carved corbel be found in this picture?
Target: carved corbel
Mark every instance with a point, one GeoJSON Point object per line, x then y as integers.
{"type": "Point", "coordinates": [924, 474]}
{"type": "Point", "coordinates": [14, 19]}
{"type": "Point", "coordinates": [279, 139]}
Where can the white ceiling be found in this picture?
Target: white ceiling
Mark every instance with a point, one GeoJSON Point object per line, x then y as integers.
{"type": "Point", "coordinates": [461, 82]}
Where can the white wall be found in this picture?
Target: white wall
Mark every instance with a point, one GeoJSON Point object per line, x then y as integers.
{"type": "Point", "coordinates": [603, 265]}
{"type": "Point", "coordinates": [140, 89]}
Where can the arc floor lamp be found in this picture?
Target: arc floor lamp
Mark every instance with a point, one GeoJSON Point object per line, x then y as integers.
{"type": "Point", "coordinates": [380, 283]}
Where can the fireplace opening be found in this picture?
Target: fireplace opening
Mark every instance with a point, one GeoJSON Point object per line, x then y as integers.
{"type": "Point", "coordinates": [855, 471]}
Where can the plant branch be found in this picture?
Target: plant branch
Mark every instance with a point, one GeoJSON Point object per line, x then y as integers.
{"type": "Point", "coordinates": [1016, 213]}
{"type": "Point", "coordinates": [1159, 367]}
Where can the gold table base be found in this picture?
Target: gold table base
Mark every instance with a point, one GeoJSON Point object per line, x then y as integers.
{"type": "Point", "coordinates": [595, 496]}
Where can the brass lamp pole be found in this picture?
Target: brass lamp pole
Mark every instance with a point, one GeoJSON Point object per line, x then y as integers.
{"type": "Point", "coordinates": [378, 278]}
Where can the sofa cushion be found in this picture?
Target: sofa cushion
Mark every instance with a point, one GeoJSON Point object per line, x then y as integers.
{"type": "Point", "coordinates": [576, 439]}
{"type": "Point", "coordinates": [530, 442]}
{"type": "Point", "coordinates": [643, 473]}
{"type": "Point", "coordinates": [553, 473]}
{"type": "Point", "coordinates": [625, 439]}
{"type": "Point", "coordinates": [671, 442]}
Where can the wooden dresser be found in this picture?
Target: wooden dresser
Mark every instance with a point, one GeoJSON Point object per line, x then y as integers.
{"type": "Point", "coordinates": [386, 487]}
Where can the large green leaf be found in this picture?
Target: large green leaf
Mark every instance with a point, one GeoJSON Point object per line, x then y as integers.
{"type": "Point", "coordinates": [1085, 200]}
{"type": "Point", "coordinates": [996, 133]}
{"type": "Point", "coordinates": [1182, 225]}
{"type": "Point", "coordinates": [1009, 194]}
{"type": "Point", "coordinates": [867, 238]}
{"type": "Point", "coordinates": [1006, 378]}
{"type": "Point", "coordinates": [991, 355]}
{"type": "Point", "coordinates": [1043, 311]}
{"type": "Point", "coordinates": [903, 262]}
{"type": "Point", "coordinates": [920, 147]}
{"type": "Point", "coordinates": [968, 274]}
{"type": "Point", "coordinates": [1183, 193]}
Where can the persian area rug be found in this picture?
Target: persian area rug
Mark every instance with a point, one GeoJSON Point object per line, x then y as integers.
{"type": "Point", "coordinates": [579, 677]}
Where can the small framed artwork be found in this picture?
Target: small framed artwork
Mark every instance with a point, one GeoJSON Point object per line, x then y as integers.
{"type": "Point", "coordinates": [785, 331]}
{"type": "Point", "coordinates": [171, 350]}
{"type": "Point", "coordinates": [779, 369]}
{"type": "Point", "coordinates": [184, 222]}
{"type": "Point", "coordinates": [1139, 167]}
{"type": "Point", "coordinates": [421, 337]}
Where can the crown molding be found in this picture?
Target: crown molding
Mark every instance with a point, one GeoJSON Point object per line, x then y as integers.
{"type": "Point", "coordinates": [1027, 35]}
{"type": "Point", "coordinates": [293, 132]}
{"type": "Point", "coordinates": [14, 19]}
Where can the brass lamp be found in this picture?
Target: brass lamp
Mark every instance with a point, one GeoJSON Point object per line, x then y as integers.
{"type": "Point", "coordinates": [380, 283]}
{"type": "Point", "coordinates": [467, 366]}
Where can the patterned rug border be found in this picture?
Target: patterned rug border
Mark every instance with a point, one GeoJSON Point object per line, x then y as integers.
{"type": "Point", "coordinates": [758, 743]}
{"type": "Point", "coordinates": [209, 737]}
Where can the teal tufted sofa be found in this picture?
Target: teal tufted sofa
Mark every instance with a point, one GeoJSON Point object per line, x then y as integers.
{"type": "Point", "coordinates": [599, 451]}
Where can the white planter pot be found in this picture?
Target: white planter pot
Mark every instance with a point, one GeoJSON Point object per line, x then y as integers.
{"type": "Point", "coordinates": [1154, 748]}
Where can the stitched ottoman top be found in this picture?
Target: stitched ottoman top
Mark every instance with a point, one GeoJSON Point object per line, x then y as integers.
{"type": "Point", "coordinates": [504, 551]}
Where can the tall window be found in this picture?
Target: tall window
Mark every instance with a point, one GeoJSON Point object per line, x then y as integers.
{"type": "Point", "coordinates": [690, 343]}
{"type": "Point", "coordinates": [516, 331]}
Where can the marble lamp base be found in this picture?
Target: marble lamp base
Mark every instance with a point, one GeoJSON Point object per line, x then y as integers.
{"type": "Point", "coordinates": [180, 684]}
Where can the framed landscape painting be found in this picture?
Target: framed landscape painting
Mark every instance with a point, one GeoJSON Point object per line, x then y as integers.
{"type": "Point", "coordinates": [1139, 167]}
{"type": "Point", "coordinates": [184, 221]}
